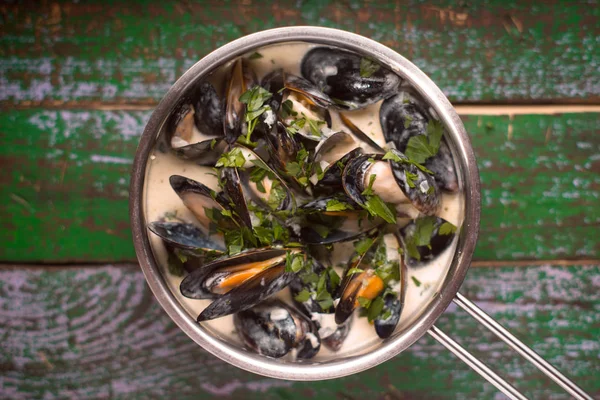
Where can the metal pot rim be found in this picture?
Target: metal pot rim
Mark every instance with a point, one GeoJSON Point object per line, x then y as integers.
{"type": "Point", "coordinates": [463, 152]}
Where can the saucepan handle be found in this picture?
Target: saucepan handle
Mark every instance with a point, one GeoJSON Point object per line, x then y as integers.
{"type": "Point", "coordinates": [514, 343]}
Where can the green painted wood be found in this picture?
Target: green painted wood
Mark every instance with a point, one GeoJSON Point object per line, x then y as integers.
{"type": "Point", "coordinates": [131, 52]}
{"type": "Point", "coordinates": [85, 332]}
{"type": "Point", "coordinates": [65, 185]}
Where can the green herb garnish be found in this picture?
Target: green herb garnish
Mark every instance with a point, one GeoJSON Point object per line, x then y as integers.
{"type": "Point", "coordinates": [255, 56]}
{"type": "Point", "coordinates": [287, 109]}
{"type": "Point", "coordinates": [364, 302]}
{"type": "Point", "coordinates": [446, 229]}
{"type": "Point", "coordinates": [254, 99]}
{"type": "Point", "coordinates": [336, 205]}
{"type": "Point", "coordinates": [375, 308]}
{"type": "Point", "coordinates": [363, 245]}
{"type": "Point", "coordinates": [353, 271]}
{"type": "Point", "coordinates": [368, 67]}
{"type": "Point", "coordinates": [416, 281]}
{"type": "Point", "coordinates": [302, 296]}
{"type": "Point", "coordinates": [233, 158]}
{"type": "Point", "coordinates": [369, 190]}
{"type": "Point", "coordinates": [422, 147]}
{"type": "Point", "coordinates": [378, 208]}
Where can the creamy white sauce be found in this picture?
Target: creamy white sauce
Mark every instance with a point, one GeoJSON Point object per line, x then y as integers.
{"type": "Point", "coordinates": [160, 198]}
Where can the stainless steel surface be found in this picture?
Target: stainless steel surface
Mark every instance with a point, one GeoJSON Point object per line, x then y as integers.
{"type": "Point", "coordinates": [474, 363]}
{"type": "Point", "coordinates": [520, 348]}
{"type": "Point", "coordinates": [467, 171]}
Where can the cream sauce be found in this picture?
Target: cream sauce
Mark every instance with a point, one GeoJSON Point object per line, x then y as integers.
{"type": "Point", "coordinates": [160, 199]}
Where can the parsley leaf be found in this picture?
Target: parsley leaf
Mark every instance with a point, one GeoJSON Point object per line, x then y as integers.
{"type": "Point", "coordinates": [364, 302]}
{"type": "Point", "coordinates": [256, 55]}
{"type": "Point", "coordinates": [363, 245]}
{"type": "Point", "coordinates": [369, 190]}
{"type": "Point", "coordinates": [375, 308]}
{"type": "Point", "coordinates": [294, 262]}
{"type": "Point", "coordinates": [336, 205]}
{"type": "Point", "coordinates": [423, 231]}
{"type": "Point", "coordinates": [390, 155]}
{"type": "Point", "coordinates": [175, 265]}
{"type": "Point", "coordinates": [377, 207]}
{"type": "Point", "coordinates": [422, 147]}
{"type": "Point", "coordinates": [410, 178]}
{"type": "Point", "coordinates": [287, 109]}
{"type": "Point", "coordinates": [416, 281]}
{"type": "Point", "coordinates": [254, 99]}
{"type": "Point", "coordinates": [446, 229]}
{"type": "Point", "coordinates": [234, 158]}
{"type": "Point", "coordinates": [355, 270]}
{"type": "Point", "coordinates": [368, 67]}
{"type": "Point", "coordinates": [302, 296]}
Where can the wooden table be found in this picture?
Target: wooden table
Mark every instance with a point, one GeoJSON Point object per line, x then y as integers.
{"type": "Point", "coordinates": [79, 81]}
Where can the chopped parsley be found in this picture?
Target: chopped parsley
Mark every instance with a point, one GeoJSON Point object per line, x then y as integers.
{"type": "Point", "coordinates": [375, 308]}
{"type": "Point", "coordinates": [302, 296]}
{"type": "Point", "coordinates": [287, 109]}
{"type": "Point", "coordinates": [336, 205]}
{"type": "Point", "coordinates": [422, 147]}
{"type": "Point", "coordinates": [416, 281]}
{"type": "Point", "coordinates": [294, 262]}
{"type": "Point", "coordinates": [368, 67]}
{"type": "Point", "coordinates": [363, 245]}
{"type": "Point", "coordinates": [254, 99]}
{"type": "Point", "coordinates": [255, 56]}
{"type": "Point", "coordinates": [378, 208]}
{"type": "Point", "coordinates": [390, 155]}
{"type": "Point", "coordinates": [410, 178]}
{"type": "Point", "coordinates": [447, 229]}
{"type": "Point", "coordinates": [233, 158]}
{"type": "Point", "coordinates": [175, 264]}
{"type": "Point", "coordinates": [355, 270]}
{"type": "Point", "coordinates": [369, 190]}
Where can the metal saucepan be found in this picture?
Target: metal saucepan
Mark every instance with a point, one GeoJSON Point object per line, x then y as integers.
{"type": "Point", "coordinates": [469, 180]}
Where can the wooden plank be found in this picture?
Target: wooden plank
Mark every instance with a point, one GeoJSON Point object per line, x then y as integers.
{"type": "Point", "coordinates": [65, 192]}
{"type": "Point", "coordinates": [98, 332]}
{"type": "Point", "coordinates": [131, 52]}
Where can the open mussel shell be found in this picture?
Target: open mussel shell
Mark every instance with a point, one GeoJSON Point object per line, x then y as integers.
{"type": "Point", "coordinates": [394, 303]}
{"type": "Point", "coordinates": [331, 155]}
{"type": "Point", "coordinates": [332, 176]}
{"type": "Point", "coordinates": [224, 274]}
{"type": "Point", "coordinates": [185, 236]}
{"type": "Point", "coordinates": [241, 79]}
{"type": "Point", "coordinates": [283, 147]}
{"type": "Point", "coordinates": [274, 329]}
{"type": "Point", "coordinates": [426, 238]}
{"type": "Point", "coordinates": [418, 186]}
{"type": "Point", "coordinates": [347, 78]}
{"type": "Point", "coordinates": [208, 110]}
{"type": "Point", "coordinates": [273, 192]}
{"type": "Point", "coordinates": [332, 335]}
{"type": "Point", "coordinates": [308, 90]}
{"type": "Point", "coordinates": [309, 280]}
{"type": "Point", "coordinates": [273, 83]}
{"type": "Point", "coordinates": [232, 187]}
{"type": "Point", "coordinates": [206, 152]}
{"type": "Point", "coordinates": [355, 176]}
{"type": "Point", "coordinates": [204, 203]}
{"type": "Point", "coordinates": [357, 284]}
{"type": "Point", "coordinates": [322, 227]}
{"type": "Point", "coordinates": [404, 116]}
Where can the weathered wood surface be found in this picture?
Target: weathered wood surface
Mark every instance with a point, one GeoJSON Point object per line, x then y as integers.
{"type": "Point", "coordinates": [84, 332]}
{"type": "Point", "coordinates": [131, 52]}
{"type": "Point", "coordinates": [66, 176]}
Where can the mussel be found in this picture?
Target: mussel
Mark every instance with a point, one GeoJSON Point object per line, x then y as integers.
{"type": "Point", "coordinates": [370, 172]}
{"type": "Point", "coordinates": [242, 78]}
{"type": "Point", "coordinates": [350, 80]}
{"type": "Point", "coordinates": [185, 236]}
{"type": "Point", "coordinates": [195, 128]}
{"type": "Point", "coordinates": [426, 238]}
{"type": "Point", "coordinates": [238, 282]}
{"type": "Point", "coordinates": [274, 329]}
{"type": "Point", "coordinates": [374, 279]}
{"type": "Point", "coordinates": [403, 117]}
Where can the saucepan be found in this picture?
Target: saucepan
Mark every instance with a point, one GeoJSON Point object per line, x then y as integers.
{"type": "Point", "coordinates": [449, 290]}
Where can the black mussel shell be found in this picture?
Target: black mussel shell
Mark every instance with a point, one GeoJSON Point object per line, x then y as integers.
{"type": "Point", "coordinates": [394, 303]}
{"type": "Point", "coordinates": [232, 187]}
{"type": "Point", "coordinates": [249, 293]}
{"type": "Point", "coordinates": [335, 340]}
{"type": "Point", "coordinates": [404, 116]}
{"type": "Point", "coordinates": [421, 188]}
{"type": "Point", "coordinates": [273, 83]}
{"type": "Point", "coordinates": [184, 236]}
{"type": "Point", "coordinates": [273, 329]}
{"type": "Point", "coordinates": [198, 198]}
{"type": "Point", "coordinates": [327, 227]}
{"type": "Point", "coordinates": [205, 153]}
{"type": "Point", "coordinates": [201, 283]}
{"type": "Point", "coordinates": [353, 176]}
{"type": "Point", "coordinates": [308, 90]}
{"type": "Point", "coordinates": [283, 147]}
{"type": "Point", "coordinates": [426, 238]}
{"type": "Point", "coordinates": [208, 110]}
{"type": "Point", "coordinates": [332, 176]}
{"type": "Point", "coordinates": [350, 286]}
{"type": "Point", "coordinates": [242, 78]}
{"type": "Point", "coordinates": [308, 280]}
{"type": "Point", "coordinates": [337, 73]}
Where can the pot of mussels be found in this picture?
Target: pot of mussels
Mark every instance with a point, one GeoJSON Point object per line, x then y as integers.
{"type": "Point", "coordinates": [305, 203]}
